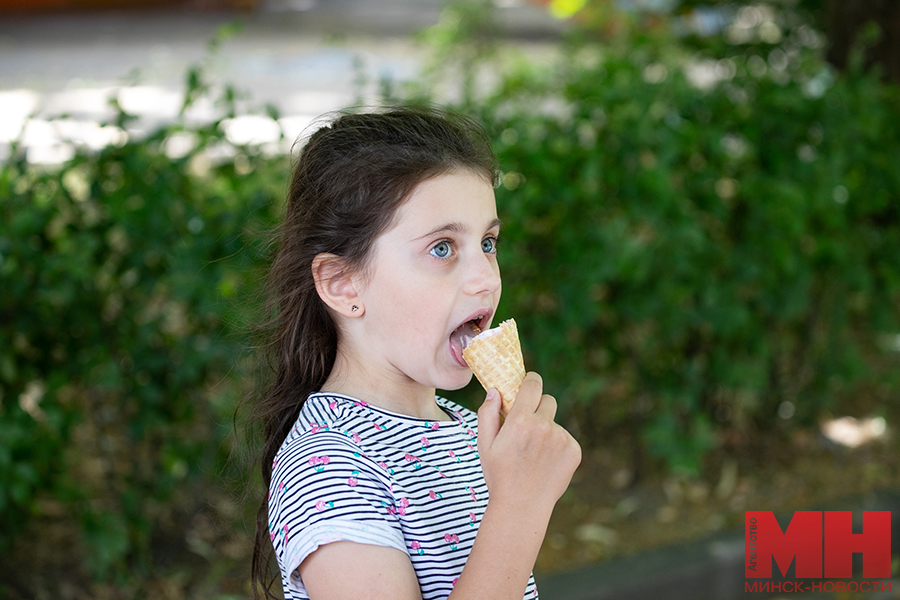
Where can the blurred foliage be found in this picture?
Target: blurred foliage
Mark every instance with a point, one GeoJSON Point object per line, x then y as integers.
{"type": "Point", "coordinates": [698, 238]}
{"type": "Point", "coordinates": [847, 25]}
{"type": "Point", "coordinates": [121, 273]}
{"type": "Point", "coordinates": [694, 241]}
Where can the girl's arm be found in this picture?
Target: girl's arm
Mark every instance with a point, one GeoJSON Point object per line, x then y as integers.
{"type": "Point", "coordinates": [348, 570]}
{"type": "Point", "coordinates": [527, 465]}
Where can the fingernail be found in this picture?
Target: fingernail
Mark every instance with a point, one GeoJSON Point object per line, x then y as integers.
{"type": "Point", "coordinates": [492, 394]}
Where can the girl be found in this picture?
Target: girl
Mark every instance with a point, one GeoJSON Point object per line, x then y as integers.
{"type": "Point", "coordinates": [378, 488]}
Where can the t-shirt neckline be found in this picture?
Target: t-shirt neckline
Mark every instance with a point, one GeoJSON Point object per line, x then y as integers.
{"type": "Point", "coordinates": [455, 419]}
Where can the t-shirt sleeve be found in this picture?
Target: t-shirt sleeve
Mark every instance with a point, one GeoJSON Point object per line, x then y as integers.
{"type": "Point", "coordinates": [324, 490]}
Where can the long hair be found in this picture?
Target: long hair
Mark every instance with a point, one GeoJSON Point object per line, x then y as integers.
{"type": "Point", "coordinates": [349, 180]}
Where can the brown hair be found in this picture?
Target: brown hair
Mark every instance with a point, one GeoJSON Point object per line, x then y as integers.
{"type": "Point", "coordinates": [349, 180]}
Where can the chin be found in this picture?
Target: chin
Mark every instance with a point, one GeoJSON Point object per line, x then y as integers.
{"type": "Point", "coordinates": [456, 382]}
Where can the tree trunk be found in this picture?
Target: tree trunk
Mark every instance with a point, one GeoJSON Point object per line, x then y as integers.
{"type": "Point", "coordinates": [845, 21]}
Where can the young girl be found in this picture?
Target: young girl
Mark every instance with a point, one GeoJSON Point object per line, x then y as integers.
{"type": "Point", "coordinates": [377, 487]}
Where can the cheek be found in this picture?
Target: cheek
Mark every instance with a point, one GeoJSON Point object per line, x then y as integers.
{"type": "Point", "coordinates": [423, 311]}
{"type": "Point", "coordinates": [405, 308]}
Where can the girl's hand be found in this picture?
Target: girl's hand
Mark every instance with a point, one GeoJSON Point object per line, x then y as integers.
{"type": "Point", "coordinates": [529, 461]}
{"type": "Point", "coordinates": [527, 465]}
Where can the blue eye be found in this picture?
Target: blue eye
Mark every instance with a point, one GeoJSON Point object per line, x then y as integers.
{"type": "Point", "coordinates": [441, 250]}
{"type": "Point", "coordinates": [489, 245]}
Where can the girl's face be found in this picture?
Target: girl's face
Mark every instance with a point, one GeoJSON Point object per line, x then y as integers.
{"type": "Point", "coordinates": [434, 270]}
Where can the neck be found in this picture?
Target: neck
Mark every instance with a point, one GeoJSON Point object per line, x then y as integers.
{"type": "Point", "coordinates": [397, 394]}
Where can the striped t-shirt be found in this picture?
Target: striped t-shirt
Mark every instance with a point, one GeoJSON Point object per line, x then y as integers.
{"type": "Point", "coordinates": [349, 471]}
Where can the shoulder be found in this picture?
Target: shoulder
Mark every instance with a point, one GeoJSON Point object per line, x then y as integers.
{"type": "Point", "coordinates": [318, 447]}
{"type": "Point", "coordinates": [326, 468]}
{"type": "Point", "coordinates": [328, 413]}
{"type": "Point", "coordinates": [467, 417]}
{"type": "Point", "coordinates": [325, 432]}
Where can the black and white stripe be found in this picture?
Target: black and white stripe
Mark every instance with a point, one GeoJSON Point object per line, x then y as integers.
{"type": "Point", "coordinates": [353, 472]}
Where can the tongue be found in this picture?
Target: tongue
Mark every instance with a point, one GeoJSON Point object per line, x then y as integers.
{"type": "Point", "coordinates": [463, 336]}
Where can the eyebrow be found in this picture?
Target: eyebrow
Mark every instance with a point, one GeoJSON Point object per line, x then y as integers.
{"type": "Point", "coordinates": [457, 227]}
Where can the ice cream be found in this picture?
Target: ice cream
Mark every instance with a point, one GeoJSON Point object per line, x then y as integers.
{"type": "Point", "coordinates": [495, 356]}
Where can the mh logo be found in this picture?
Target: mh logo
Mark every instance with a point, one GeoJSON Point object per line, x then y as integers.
{"type": "Point", "coordinates": [822, 543]}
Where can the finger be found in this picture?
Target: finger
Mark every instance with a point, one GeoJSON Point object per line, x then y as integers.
{"type": "Point", "coordinates": [488, 421]}
{"type": "Point", "coordinates": [529, 395]}
{"type": "Point", "coordinates": [548, 406]}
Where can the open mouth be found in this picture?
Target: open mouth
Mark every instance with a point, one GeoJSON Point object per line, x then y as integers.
{"type": "Point", "coordinates": [463, 335]}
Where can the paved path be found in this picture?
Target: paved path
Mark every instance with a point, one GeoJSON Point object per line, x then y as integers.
{"type": "Point", "coordinates": [303, 56]}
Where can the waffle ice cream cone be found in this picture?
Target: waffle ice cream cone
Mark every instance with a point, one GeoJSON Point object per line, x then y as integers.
{"type": "Point", "coordinates": [495, 356]}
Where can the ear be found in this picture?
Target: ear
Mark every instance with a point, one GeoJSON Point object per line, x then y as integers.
{"type": "Point", "coordinates": [336, 287]}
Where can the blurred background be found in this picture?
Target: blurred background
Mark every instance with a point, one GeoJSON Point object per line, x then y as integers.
{"type": "Point", "coordinates": [701, 248]}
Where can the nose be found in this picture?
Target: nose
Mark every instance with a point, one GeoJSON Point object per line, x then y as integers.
{"type": "Point", "coordinates": [483, 277]}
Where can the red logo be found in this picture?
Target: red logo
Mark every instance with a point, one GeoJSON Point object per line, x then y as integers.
{"type": "Point", "coordinates": [820, 544]}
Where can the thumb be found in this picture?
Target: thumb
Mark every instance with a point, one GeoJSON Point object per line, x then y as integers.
{"type": "Point", "coordinates": [488, 420]}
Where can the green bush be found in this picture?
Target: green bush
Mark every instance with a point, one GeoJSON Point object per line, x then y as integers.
{"type": "Point", "coordinates": [684, 261]}
{"type": "Point", "coordinates": [120, 272]}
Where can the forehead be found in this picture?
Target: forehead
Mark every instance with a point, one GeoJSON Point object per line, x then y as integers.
{"type": "Point", "coordinates": [457, 197]}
